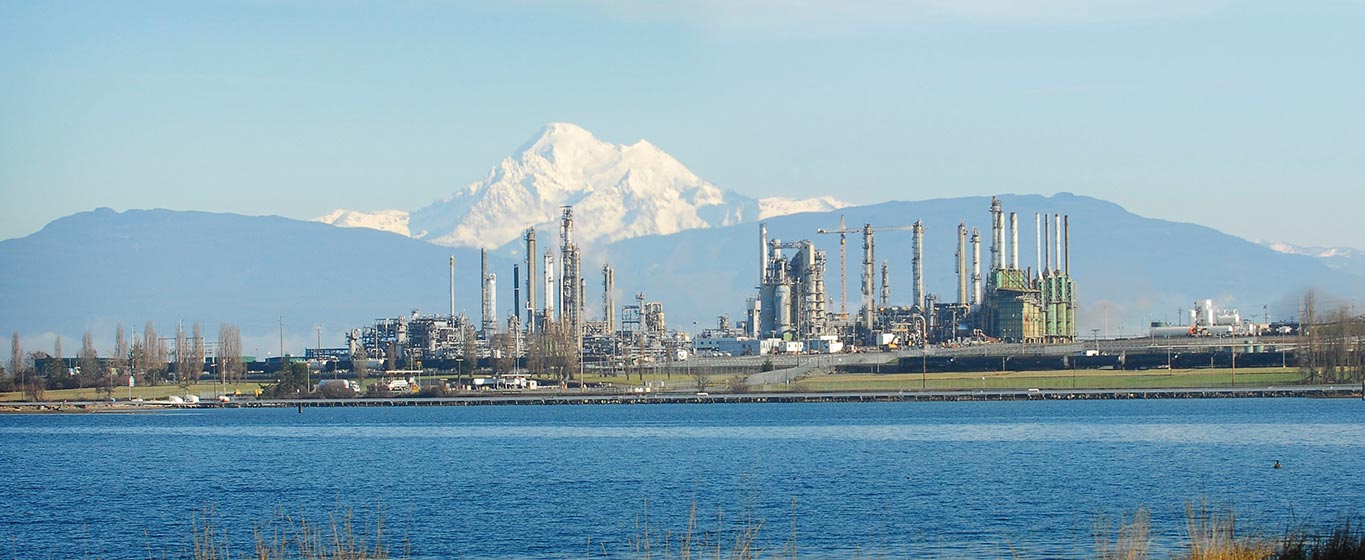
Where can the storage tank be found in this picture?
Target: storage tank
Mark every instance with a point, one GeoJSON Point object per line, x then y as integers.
{"type": "Point", "coordinates": [783, 309]}
{"type": "Point", "coordinates": [1171, 332]}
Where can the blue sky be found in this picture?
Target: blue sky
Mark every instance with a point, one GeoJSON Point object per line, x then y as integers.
{"type": "Point", "coordinates": [1245, 116]}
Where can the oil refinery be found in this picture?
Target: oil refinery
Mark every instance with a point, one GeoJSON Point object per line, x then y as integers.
{"type": "Point", "coordinates": [791, 311]}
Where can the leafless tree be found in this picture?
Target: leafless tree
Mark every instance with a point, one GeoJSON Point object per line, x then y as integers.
{"type": "Point", "coordinates": [89, 362]}
{"type": "Point", "coordinates": [229, 353]}
{"type": "Point", "coordinates": [182, 357]}
{"type": "Point", "coordinates": [1310, 339]}
{"type": "Point", "coordinates": [197, 354]}
{"type": "Point", "coordinates": [469, 350]}
{"type": "Point", "coordinates": [16, 357]}
{"type": "Point", "coordinates": [120, 349]}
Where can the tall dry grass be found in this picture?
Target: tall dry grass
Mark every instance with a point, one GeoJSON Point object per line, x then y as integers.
{"type": "Point", "coordinates": [287, 536]}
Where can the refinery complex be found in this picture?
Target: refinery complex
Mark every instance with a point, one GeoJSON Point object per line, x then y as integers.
{"type": "Point", "coordinates": [793, 309]}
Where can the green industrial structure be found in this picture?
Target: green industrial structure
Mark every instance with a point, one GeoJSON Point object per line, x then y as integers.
{"type": "Point", "coordinates": [1024, 305]}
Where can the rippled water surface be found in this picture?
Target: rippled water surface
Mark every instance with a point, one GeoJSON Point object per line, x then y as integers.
{"type": "Point", "coordinates": [907, 479]}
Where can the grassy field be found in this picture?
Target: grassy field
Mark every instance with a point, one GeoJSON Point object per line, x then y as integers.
{"type": "Point", "coordinates": [681, 380]}
{"type": "Point", "coordinates": [145, 393]}
{"type": "Point", "coordinates": [1064, 379]}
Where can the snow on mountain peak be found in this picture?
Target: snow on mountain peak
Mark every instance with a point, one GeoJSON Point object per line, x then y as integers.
{"type": "Point", "coordinates": [617, 192]}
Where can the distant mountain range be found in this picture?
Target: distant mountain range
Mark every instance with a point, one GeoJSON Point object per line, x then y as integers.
{"type": "Point", "coordinates": [617, 192]}
{"type": "Point", "coordinates": [671, 235]}
{"type": "Point", "coordinates": [92, 270]}
{"type": "Point", "coordinates": [1340, 258]}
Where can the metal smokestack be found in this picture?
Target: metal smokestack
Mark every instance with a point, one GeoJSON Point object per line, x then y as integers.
{"type": "Point", "coordinates": [1014, 240]}
{"type": "Point", "coordinates": [549, 313]}
{"type": "Point", "coordinates": [608, 300]}
{"type": "Point", "coordinates": [452, 289]}
{"type": "Point", "coordinates": [961, 263]}
{"type": "Point", "coordinates": [516, 291]}
{"type": "Point", "coordinates": [1057, 240]}
{"type": "Point", "coordinates": [918, 230]}
{"type": "Point", "coordinates": [762, 252]}
{"type": "Point", "coordinates": [976, 267]}
{"type": "Point", "coordinates": [531, 258]}
{"type": "Point", "coordinates": [1047, 245]}
{"type": "Point", "coordinates": [1038, 241]}
{"type": "Point", "coordinates": [1066, 245]}
{"type": "Point", "coordinates": [997, 233]}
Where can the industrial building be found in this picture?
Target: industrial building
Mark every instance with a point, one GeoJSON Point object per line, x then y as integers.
{"type": "Point", "coordinates": [1027, 305]}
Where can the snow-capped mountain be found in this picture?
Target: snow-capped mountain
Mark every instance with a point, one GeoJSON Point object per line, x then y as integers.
{"type": "Point", "coordinates": [393, 221]}
{"type": "Point", "coordinates": [617, 192]}
{"type": "Point", "coordinates": [1340, 258]}
{"type": "Point", "coordinates": [780, 206]}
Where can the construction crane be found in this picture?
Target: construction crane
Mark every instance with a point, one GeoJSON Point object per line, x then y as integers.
{"type": "Point", "coordinates": [869, 261]}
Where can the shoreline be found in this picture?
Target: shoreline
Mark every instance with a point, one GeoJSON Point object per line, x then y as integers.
{"type": "Point", "coordinates": [560, 399]}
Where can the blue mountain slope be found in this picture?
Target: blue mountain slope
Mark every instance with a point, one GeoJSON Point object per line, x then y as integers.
{"type": "Point", "coordinates": [95, 269]}
{"type": "Point", "coordinates": [1128, 268]}
{"type": "Point", "coordinates": [91, 270]}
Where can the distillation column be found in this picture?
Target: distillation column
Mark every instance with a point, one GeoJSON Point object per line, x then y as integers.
{"type": "Point", "coordinates": [868, 276]}
{"type": "Point", "coordinates": [917, 229]}
{"type": "Point", "coordinates": [997, 234]}
{"type": "Point", "coordinates": [976, 267]}
{"type": "Point", "coordinates": [961, 263]}
{"type": "Point", "coordinates": [608, 301]}
{"type": "Point", "coordinates": [531, 258]}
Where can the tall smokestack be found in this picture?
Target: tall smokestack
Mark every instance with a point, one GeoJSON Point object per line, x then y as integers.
{"type": "Point", "coordinates": [516, 291]}
{"type": "Point", "coordinates": [762, 252]}
{"type": "Point", "coordinates": [1014, 240]}
{"type": "Point", "coordinates": [997, 234]}
{"type": "Point", "coordinates": [918, 230]}
{"type": "Point", "coordinates": [452, 289]}
{"type": "Point", "coordinates": [1038, 241]}
{"type": "Point", "coordinates": [962, 263]}
{"type": "Point", "coordinates": [608, 298]}
{"type": "Point", "coordinates": [549, 312]}
{"type": "Point", "coordinates": [531, 258]}
{"type": "Point", "coordinates": [1066, 245]}
{"type": "Point", "coordinates": [1047, 245]}
{"type": "Point", "coordinates": [976, 267]}
{"type": "Point", "coordinates": [1057, 240]}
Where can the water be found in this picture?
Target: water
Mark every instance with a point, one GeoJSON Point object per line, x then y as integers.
{"type": "Point", "coordinates": [905, 479]}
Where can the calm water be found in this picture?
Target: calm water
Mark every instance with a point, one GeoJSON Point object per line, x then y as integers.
{"type": "Point", "coordinates": [947, 479]}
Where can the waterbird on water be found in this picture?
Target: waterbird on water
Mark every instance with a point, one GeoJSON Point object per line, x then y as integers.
{"type": "Point", "coordinates": [1277, 465]}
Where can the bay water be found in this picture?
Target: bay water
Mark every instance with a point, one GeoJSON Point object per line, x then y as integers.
{"type": "Point", "coordinates": [969, 479]}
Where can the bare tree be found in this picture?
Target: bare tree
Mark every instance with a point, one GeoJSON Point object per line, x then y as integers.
{"type": "Point", "coordinates": [153, 355]}
{"type": "Point", "coordinates": [1310, 338]}
{"type": "Point", "coordinates": [32, 382]}
{"type": "Point", "coordinates": [92, 374]}
{"type": "Point", "coordinates": [182, 357]}
{"type": "Point", "coordinates": [197, 354]}
{"type": "Point", "coordinates": [229, 353]}
{"type": "Point", "coordinates": [469, 350]}
{"type": "Point", "coordinates": [120, 349]}
{"type": "Point", "coordinates": [16, 357]}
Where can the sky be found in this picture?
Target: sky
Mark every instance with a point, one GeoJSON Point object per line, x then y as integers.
{"type": "Point", "coordinates": [1246, 116]}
